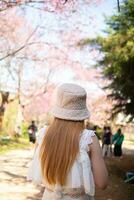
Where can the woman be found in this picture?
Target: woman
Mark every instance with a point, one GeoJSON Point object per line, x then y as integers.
{"type": "Point", "coordinates": [118, 139]}
{"type": "Point", "coordinates": [70, 156]}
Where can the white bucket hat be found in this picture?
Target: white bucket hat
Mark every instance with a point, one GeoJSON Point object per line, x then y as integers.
{"type": "Point", "coordinates": [70, 103]}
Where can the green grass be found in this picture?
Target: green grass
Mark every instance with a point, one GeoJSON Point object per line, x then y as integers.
{"type": "Point", "coordinates": [11, 144]}
{"type": "Point", "coordinates": [7, 143]}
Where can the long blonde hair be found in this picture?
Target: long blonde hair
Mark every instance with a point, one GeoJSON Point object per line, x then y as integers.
{"type": "Point", "coordinates": [59, 149]}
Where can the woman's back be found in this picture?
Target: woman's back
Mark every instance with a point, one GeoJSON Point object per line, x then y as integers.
{"type": "Point", "coordinates": [84, 148]}
{"type": "Point", "coordinates": [80, 178]}
{"type": "Point", "coordinates": [67, 150]}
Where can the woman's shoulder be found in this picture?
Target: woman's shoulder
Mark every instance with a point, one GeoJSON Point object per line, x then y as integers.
{"type": "Point", "coordinates": [86, 133]}
{"type": "Point", "coordinates": [41, 134]}
{"type": "Point", "coordinates": [86, 138]}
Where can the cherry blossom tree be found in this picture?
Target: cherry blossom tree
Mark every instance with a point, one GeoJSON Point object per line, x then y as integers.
{"type": "Point", "coordinates": [50, 5]}
{"type": "Point", "coordinates": [31, 53]}
{"type": "Point", "coordinates": [11, 44]}
{"type": "Point", "coordinates": [100, 109]}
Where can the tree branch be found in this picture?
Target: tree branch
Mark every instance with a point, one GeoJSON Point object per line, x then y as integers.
{"type": "Point", "coordinates": [15, 52]}
{"type": "Point", "coordinates": [5, 5]}
{"type": "Point", "coordinates": [23, 46]}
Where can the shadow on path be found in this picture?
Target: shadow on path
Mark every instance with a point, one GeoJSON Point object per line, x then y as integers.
{"type": "Point", "coordinates": [14, 175]}
{"type": "Point", "coordinates": [37, 196]}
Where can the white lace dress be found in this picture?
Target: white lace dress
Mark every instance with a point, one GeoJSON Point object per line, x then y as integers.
{"type": "Point", "coordinates": [80, 182]}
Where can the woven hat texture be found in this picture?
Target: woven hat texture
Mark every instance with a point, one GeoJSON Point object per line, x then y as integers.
{"type": "Point", "coordinates": [70, 103]}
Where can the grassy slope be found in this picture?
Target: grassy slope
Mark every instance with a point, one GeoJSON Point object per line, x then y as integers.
{"type": "Point", "coordinates": [13, 144]}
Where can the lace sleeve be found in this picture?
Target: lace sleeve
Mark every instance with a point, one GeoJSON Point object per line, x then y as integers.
{"type": "Point", "coordinates": [41, 134]}
{"type": "Point", "coordinates": [34, 172]}
{"type": "Point", "coordinates": [86, 139]}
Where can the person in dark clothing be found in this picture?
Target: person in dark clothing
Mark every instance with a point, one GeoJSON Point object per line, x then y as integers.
{"type": "Point", "coordinates": [107, 142]}
{"type": "Point", "coordinates": [103, 134]}
{"type": "Point", "coordinates": [117, 140]}
{"type": "Point", "coordinates": [32, 129]}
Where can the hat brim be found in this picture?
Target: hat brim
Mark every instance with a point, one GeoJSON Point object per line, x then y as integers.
{"type": "Point", "coordinates": [75, 115]}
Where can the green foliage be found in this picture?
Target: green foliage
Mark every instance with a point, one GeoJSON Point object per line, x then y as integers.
{"type": "Point", "coordinates": [12, 143]}
{"type": "Point", "coordinates": [8, 143]}
{"type": "Point", "coordinates": [117, 59]}
{"type": "Point", "coordinates": [4, 140]}
{"type": "Point", "coordinates": [99, 133]}
{"type": "Point", "coordinates": [25, 130]}
{"type": "Point", "coordinates": [10, 117]}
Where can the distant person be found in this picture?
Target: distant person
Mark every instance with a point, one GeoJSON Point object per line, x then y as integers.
{"type": "Point", "coordinates": [117, 140]}
{"type": "Point", "coordinates": [103, 133]}
{"type": "Point", "coordinates": [107, 142]}
{"type": "Point", "coordinates": [32, 129]}
{"type": "Point", "coordinates": [18, 131]}
{"type": "Point", "coordinates": [69, 155]}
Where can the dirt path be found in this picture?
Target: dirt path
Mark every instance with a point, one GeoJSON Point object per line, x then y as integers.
{"type": "Point", "coordinates": [13, 170]}
{"type": "Point", "coordinates": [13, 184]}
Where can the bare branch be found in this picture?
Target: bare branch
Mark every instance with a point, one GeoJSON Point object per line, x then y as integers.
{"type": "Point", "coordinates": [22, 47]}
{"type": "Point", "coordinates": [5, 5]}
{"type": "Point", "coordinates": [33, 32]}
{"type": "Point", "coordinates": [17, 50]}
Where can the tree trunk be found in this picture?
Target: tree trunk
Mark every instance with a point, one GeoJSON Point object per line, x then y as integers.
{"type": "Point", "coordinates": [118, 3]}
{"type": "Point", "coordinates": [4, 100]}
